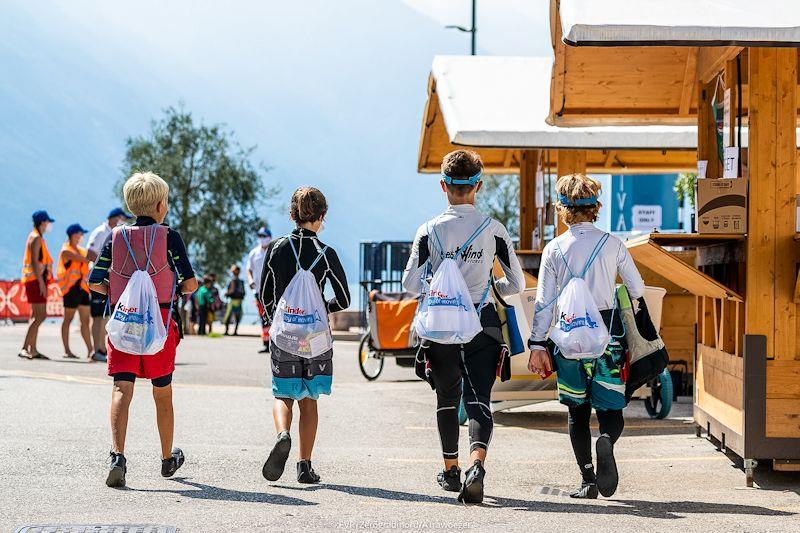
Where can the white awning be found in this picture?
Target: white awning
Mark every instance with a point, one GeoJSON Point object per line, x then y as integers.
{"type": "Point", "coordinates": [681, 22]}
{"type": "Point", "coordinates": [502, 102]}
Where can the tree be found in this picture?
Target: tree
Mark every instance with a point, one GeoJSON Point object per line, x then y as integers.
{"type": "Point", "coordinates": [215, 191]}
{"type": "Point", "coordinates": [499, 198]}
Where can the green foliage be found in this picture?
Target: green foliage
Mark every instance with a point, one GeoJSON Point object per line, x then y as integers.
{"type": "Point", "coordinates": [684, 186]}
{"type": "Point", "coordinates": [499, 198]}
{"type": "Point", "coordinates": [215, 191]}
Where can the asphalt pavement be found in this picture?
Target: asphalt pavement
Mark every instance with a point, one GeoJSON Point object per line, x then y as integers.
{"type": "Point", "coordinates": [377, 452]}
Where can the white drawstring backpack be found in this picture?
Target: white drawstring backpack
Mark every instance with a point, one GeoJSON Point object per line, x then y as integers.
{"type": "Point", "coordinates": [136, 326]}
{"type": "Point", "coordinates": [300, 324]}
{"type": "Point", "coordinates": [446, 314]}
{"type": "Point", "coordinates": [580, 332]}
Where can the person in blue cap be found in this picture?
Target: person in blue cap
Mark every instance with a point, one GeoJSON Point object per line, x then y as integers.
{"type": "Point", "coordinates": [37, 272]}
{"type": "Point", "coordinates": [72, 276]}
{"type": "Point", "coordinates": [97, 239]}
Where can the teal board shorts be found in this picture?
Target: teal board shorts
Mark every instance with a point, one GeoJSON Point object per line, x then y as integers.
{"type": "Point", "coordinates": [598, 381]}
{"type": "Point", "coordinates": [296, 378]}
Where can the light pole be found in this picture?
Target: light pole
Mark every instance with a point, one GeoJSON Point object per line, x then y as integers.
{"type": "Point", "coordinates": [473, 30]}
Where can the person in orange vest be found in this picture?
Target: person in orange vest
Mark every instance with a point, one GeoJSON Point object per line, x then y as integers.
{"type": "Point", "coordinates": [37, 270]}
{"type": "Point", "coordinates": [72, 274]}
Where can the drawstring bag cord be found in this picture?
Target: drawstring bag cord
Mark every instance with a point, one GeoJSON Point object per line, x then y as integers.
{"type": "Point", "coordinates": [297, 256]}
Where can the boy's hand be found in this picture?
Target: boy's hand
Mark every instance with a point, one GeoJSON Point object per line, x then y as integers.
{"type": "Point", "coordinates": [539, 362]}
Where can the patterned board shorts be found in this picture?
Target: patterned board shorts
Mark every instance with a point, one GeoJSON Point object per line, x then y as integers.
{"type": "Point", "coordinates": [296, 377]}
{"type": "Point", "coordinates": [598, 381]}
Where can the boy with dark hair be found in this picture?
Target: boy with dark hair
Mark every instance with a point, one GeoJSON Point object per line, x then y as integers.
{"type": "Point", "coordinates": [474, 363]}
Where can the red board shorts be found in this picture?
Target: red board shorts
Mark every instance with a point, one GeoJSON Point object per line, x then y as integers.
{"type": "Point", "coordinates": [147, 366]}
{"type": "Point", "coordinates": [33, 293]}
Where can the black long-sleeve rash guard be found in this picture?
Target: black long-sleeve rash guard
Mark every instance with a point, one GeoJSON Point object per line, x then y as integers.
{"type": "Point", "coordinates": [280, 267]}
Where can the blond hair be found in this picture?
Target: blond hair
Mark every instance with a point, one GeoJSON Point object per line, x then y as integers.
{"type": "Point", "coordinates": [143, 191]}
{"type": "Point", "coordinates": [576, 187]}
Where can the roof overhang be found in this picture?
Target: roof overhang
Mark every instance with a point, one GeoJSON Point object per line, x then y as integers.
{"type": "Point", "coordinates": [498, 107]}
{"type": "Point", "coordinates": [623, 65]}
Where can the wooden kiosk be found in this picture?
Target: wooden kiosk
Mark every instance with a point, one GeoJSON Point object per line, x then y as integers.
{"type": "Point", "coordinates": [498, 106]}
{"type": "Point", "coordinates": [666, 64]}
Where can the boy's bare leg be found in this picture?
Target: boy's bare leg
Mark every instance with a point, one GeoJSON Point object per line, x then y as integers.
{"type": "Point", "coordinates": [83, 316]}
{"type": "Point", "coordinates": [69, 314]}
{"type": "Point", "coordinates": [282, 414]}
{"type": "Point", "coordinates": [165, 417]}
{"type": "Point", "coordinates": [121, 397]}
{"type": "Point", "coordinates": [309, 418]}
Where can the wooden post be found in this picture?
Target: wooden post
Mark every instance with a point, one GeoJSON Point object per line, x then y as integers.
{"type": "Point", "coordinates": [771, 252]}
{"type": "Point", "coordinates": [528, 167]}
{"type": "Point", "coordinates": [569, 162]}
{"type": "Point", "coordinates": [706, 132]}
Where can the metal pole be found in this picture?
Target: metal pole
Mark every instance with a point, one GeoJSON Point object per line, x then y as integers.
{"type": "Point", "coordinates": [474, 29]}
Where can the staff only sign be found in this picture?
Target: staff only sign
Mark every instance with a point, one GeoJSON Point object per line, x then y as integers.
{"type": "Point", "coordinates": [646, 217]}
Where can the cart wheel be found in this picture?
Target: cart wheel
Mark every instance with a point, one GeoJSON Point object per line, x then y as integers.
{"type": "Point", "coordinates": [462, 413]}
{"type": "Point", "coordinates": [369, 360]}
{"type": "Point", "coordinates": [659, 404]}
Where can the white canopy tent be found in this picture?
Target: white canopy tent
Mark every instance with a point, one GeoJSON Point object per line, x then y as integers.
{"type": "Point", "coordinates": [504, 101]}
{"type": "Point", "coordinates": [677, 22]}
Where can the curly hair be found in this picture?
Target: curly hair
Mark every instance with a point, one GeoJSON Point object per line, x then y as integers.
{"type": "Point", "coordinates": [308, 205]}
{"type": "Point", "coordinates": [575, 187]}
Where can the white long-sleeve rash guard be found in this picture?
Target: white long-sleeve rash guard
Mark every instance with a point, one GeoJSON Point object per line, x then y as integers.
{"type": "Point", "coordinates": [577, 244]}
{"type": "Point", "coordinates": [454, 227]}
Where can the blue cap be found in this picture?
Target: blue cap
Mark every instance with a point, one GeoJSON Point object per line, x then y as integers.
{"type": "Point", "coordinates": [118, 212]}
{"type": "Point", "coordinates": [41, 216]}
{"type": "Point", "coordinates": [75, 228]}
{"type": "Point", "coordinates": [263, 231]}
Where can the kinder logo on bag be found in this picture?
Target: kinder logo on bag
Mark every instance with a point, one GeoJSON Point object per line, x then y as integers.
{"type": "Point", "coordinates": [580, 332]}
{"type": "Point", "coordinates": [133, 328]}
{"type": "Point", "coordinates": [298, 315]}
{"type": "Point", "coordinates": [446, 314]}
{"type": "Point", "coordinates": [301, 319]}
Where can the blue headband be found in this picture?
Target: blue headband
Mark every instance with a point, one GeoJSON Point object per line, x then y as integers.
{"type": "Point", "coordinates": [578, 202]}
{"type": "Point", "coordinates": [458, 181]}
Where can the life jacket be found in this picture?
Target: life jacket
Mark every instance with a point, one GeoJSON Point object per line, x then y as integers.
{"type": "Point", "coordinates": [28, 274]}
{"type": "Point", "coordinates": [123, 266]}
{"type": "Point", "coordinates": [77, 272]}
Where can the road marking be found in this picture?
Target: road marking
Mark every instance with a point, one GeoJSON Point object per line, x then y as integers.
{"type": "Point", "coordinates": [698, 458]}
{"type": "Point", "coordinates": [563, 426]}
{"type": "Point", "coordinates": [106, 380]}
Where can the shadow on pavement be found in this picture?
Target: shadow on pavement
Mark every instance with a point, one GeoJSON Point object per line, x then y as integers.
{"type": "Point", "coordinates": [372, 492]}
{"type": "Point", "coordinates": [209, 492]}
{"type": "Point", "coordinates": [644, 509]}
{"type": "Point", "coordinates": [767, 479]}
{"type": "Point", "coordinates": [557, 423]}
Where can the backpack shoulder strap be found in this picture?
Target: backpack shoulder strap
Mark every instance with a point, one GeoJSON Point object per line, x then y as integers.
{"type": "Point", "coordinates": [595, 253]}
{"type": "Point", "coordinates": [320, 255]}
{"type": "Point", "coordinates": [124, 232]}
{"type": "Point", "coordinates": [296, 256]}
{"type": "Point", "coordinates": [478, 231]}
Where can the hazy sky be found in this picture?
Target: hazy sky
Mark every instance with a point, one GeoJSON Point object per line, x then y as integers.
{"type": "Point", "coordinates": [332, 94]}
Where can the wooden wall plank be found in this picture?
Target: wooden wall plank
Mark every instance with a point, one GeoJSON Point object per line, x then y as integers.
{"type": "Point", "coordinates": [527, 197]}
{"type": "Point", "coordinates": [783, 379]}
{"type": "Point", "coordinates": [785, 175]}
{"type": "Point", "coordinates": [783, 418]}
{"type": "Point", "coordinates": [760, 303]}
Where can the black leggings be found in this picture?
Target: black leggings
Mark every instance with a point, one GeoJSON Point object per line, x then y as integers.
{"type": "Point", "coordinates": [162, 381]}
{"type": "Point", "coordinates": [476, 365]}
{"type": "Point", "coordinates": [611, 423]}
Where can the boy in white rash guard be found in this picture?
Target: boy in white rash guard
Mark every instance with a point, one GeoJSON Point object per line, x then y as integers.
{"type": "Point", "coordinates": [586, 383]}
{"type": "Point", "coordinates": [475, 362]}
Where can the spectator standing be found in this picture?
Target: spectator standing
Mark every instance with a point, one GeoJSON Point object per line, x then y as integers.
{"type": "Point", "coordinates": [235, 294]}
{"type": "Point", "coordinates": [37, 270]}
{"type": "Point", "coordinates": [255, 264]}
{"type": "Point", "coordinates": [72, 275]}
{"type": "Point", "coordinates": [98, 238]}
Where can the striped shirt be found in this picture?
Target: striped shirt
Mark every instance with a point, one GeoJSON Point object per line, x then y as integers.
{"type": "Point", "coordinates": [280, 267]}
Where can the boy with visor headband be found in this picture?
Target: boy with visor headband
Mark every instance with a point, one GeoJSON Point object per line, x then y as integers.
{"type": "Point", "coordinates": [473, 241]}
{"type": "Point", "coordinates": [597, 258]}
